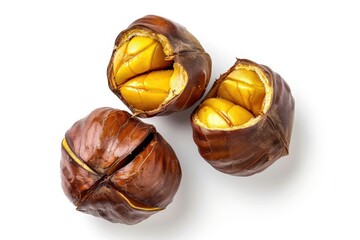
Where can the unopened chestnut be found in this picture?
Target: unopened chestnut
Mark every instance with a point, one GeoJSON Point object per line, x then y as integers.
{"type": "Point", "coordinates": [117, 167]}
{"type": "Point", "coordinates": [158, 67]}
{"type": "Point", "coordinates": [244, 124]}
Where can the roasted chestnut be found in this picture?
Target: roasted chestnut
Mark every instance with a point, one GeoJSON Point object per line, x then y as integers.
{"type": "Point", "coordinates": [157, 67]}
{"type": "Point", "coordinates": [117, 167]}
{"type": "Point", "coordinates": [244, 123]}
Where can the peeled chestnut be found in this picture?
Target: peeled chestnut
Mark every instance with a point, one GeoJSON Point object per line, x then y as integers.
{"type": "Point", "coordinates": [157, 67]}
{"type": "Point", "coordinates": [244, 124]}
{"type": "Point", "coordinates": [117, 167]}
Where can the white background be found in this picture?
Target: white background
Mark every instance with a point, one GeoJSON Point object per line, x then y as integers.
{"type": "Point", "coordinates": [53, 60]}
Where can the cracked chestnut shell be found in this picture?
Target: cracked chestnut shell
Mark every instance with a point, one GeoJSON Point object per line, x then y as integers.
{"type": "Point", "coordinates": [117, 167]}
{"type": "Point", "coordinates": [244, 124]}
{"type": "Point", "coordinates": [158, 67]}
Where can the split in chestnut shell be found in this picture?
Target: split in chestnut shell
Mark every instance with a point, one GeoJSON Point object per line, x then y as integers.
{"type": "Point", "coordinates": [116, 167]}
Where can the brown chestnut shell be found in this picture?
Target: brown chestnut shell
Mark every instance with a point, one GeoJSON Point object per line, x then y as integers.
{"type": "Point", "coordinates": [117, 167]}
{"type": "Point", "coordinates": [249, 150]}
{"type": "Point", "coordinates": [187, 51]}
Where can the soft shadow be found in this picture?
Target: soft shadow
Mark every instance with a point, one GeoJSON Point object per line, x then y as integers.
{"type": "Point", "coordinates": [285, 170]}
{"type": "Point", "coordinates": [181, 118]}
{"type": "Point", "coordinates": [182, 212]}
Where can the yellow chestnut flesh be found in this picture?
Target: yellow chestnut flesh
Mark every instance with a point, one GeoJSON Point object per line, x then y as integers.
{"type": "Point", "coordinates": [142, 73]}
{"type": "Point", "coordinates": [139, 55]}
{"type": "Point", "coordinates": [244, 88]}
{"type": "Point", "coordinates": [221, 113]}
{"type": "Point", "coordinates": [147, 91]}
{"type": "Point", "coordinates": [238, 99]}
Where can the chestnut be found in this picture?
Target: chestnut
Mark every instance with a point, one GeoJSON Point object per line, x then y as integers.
{"type": "Point", "coordinates": [117, 167]}
{"type": "Point", "coordinates": [244, 123]}
{"type": "Point", "coordinates": [158, 67]}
